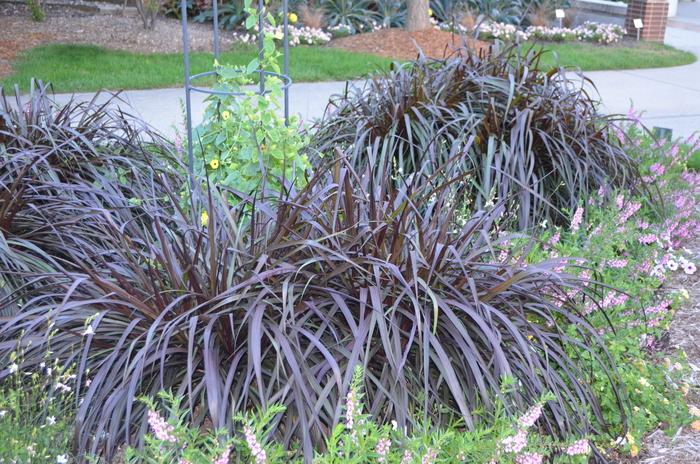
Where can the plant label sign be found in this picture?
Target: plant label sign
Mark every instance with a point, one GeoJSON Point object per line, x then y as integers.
{"type": "Point", "coordinates": [638, 23]}
{"type": "Point", "coordinates": [559, 13]}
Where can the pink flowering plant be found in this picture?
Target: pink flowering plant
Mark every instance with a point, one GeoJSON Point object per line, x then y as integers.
{"type": "Point", "coordinates": [628, 249]}
{"type": "Point", "coordinates": [172, 440]}
{"type": "Point", "coordinates": [360, 438]}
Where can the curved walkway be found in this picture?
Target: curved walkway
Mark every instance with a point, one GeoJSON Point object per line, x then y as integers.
{"type": "Point", "coordinates": [669, 97]}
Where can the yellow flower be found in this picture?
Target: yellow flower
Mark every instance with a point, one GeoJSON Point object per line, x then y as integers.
{"type": "Point", "coordinates": [292, 18]}
{"type": "Point", "coordinates": [630, 438]}
{"type": "Point", "coordinates": [634, 451]}
{"type": "Point", "coordinates": [643, 382]}
{"type": "Point", "coordinates": [225, 115]}
{"type": "Point", "coordinates": [205, 218]}
{"type": "Point", "coordinates": [214, 164]}
{"type": "Point", "coordinates": [430, 11]}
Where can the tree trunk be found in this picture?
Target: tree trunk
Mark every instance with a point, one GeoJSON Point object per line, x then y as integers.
{"type": "Point", "coordinates": [417, 17]}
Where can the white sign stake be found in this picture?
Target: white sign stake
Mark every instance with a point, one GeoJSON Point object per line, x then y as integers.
{"type": "Point", "coordinates": [560, 14]}
{"type": "Point", "coordinates": [638, 25]}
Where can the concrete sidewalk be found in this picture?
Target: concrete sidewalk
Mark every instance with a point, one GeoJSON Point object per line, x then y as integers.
{"type": "Point", "coordinates": [669, 97]}
{"type": "Point", "coordinates": [164, 108]}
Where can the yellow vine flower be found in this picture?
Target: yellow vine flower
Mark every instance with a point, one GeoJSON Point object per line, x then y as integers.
{"type": "Point", "coordinates": [214, 164]}
{"type": "Point", "coordinates": [205, 219]}
{"type": "Point", "coordinates": [292, 18]}
{"type": "Point", "coordinates": [225, 115]}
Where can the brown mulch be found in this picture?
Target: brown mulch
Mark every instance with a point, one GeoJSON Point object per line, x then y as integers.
{"type": "Point", "coordinates": [684, 336]}
{"type": "Point", "coordinates": [404, 45]}
{"type": "Point", "coordinates": [115, 31]}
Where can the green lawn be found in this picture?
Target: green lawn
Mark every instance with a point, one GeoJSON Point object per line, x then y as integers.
{"type": "Point", "coordinates": [632, 55]}
{"type": "Point", "coordinates": [82, 68]}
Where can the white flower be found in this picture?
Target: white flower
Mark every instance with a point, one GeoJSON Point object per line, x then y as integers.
{"type": "Point", "coordinates": [61, 459]}
{"type": "Point", "coordinates": [672, 265]}
{"type": "Point", "coordinates": [89, 331]}
{"type": "Point", "coordinates": [63, 387]}
{"type": "Point", "coordinates": [13, 368]}
{"type": "Point", "coordinates": [51, 420]}
{"type": "Point", "coordinates": [2, 413]}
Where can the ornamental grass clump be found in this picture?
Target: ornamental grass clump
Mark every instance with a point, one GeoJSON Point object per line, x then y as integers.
{"type": "Point", "coordinates": [278, 299]}
{"type": "Point", "coordinates": [520, 133]}
{"type": "Point", "coordinates": [62, 166]}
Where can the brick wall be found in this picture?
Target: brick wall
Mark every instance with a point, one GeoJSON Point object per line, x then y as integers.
{"type": "Point", "coordinates": [653, 13]}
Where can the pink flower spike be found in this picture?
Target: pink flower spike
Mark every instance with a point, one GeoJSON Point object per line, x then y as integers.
{"type": "Point", "coordinates": [515, 443]}
{"type": "Point", "coordinates": [382, 449]}
{"type": "Point", "coordinates": [578, 448]}
{"type": "Point", "coordinates": [225, 457]}
{"type": "Point", "coordinates": [576, 220]}
{"type": "Point", "coordinates": [160, 428]}
{"type": "Point", "coordinates": [529, 458]}
{"type": "Point", "coordinates": [530, 417]}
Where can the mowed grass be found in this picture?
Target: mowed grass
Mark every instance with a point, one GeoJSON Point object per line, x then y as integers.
{"type": "Point", "coordinates": [625, 55]}
{"type": "Point", "coordinates": [84, 68]}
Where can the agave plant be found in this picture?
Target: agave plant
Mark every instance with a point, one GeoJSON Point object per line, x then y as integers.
{"type": "Point", "coordinates": [522, 133]}
{"type": "Point", "coordinates": [275, 300]}
{"type": "Point", "coordinates": [356, 14]}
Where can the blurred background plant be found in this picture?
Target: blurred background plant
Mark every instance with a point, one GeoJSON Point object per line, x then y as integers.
{"type": "Point", "coordinates": [37, 10]}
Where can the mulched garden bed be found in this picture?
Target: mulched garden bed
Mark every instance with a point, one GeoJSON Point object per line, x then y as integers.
{"type": "Point", "coordinates": [115, 31]}
{"type": "Point", "coordinates": [400, 44]}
